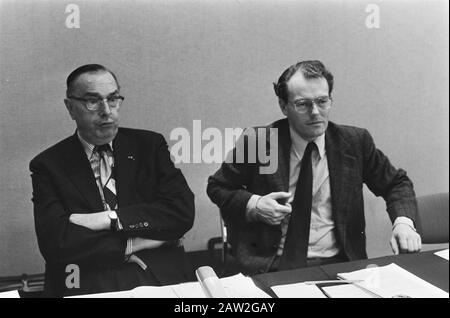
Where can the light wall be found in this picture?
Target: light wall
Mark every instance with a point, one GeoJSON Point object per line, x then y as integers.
{"type": "Point", "coordinates": [215, 61]}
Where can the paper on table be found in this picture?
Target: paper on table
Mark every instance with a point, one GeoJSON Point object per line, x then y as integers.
{"type": "Point", "coordinates": [240, 286]}
{"type": "Point", "coordinates": [138, 292]}
{"type": "Point", "coordinates": [10, 294]}
{"type": "Point", "coordinates": [298, 290]}
{"type": "Point", "coordinates": [237, 286]}
{"type": "Point", "coordinates": [189, 290]}
{"type": "Point", "coordinates": [154, 292]}
{"type": "Point", "coordinates": [392, 281]}
{"type": "Point", "coordinates": [443, 254]}
{"type": "Point", "coordinates": [346, 291]}
{"type": "Point", "coordinates": [119, 294]}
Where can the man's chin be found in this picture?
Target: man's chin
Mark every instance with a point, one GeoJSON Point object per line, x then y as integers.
{"type": "Point", "coordinates": [107, 136]}
{"type": "Point", "coordinates": [312, 135]}
{"type": "Point", "coordinates": [318, 130]}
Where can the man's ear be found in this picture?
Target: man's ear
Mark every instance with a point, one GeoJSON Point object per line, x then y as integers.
{"type": "Point", "coordinates": [69, 107]}
{"type": "Point", "coordinates": [283, 106]}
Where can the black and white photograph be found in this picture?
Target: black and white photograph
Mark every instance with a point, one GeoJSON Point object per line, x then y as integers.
{"type": "Point", "coordinates": [243, 150]}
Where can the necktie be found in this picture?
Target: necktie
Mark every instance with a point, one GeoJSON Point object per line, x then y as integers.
{"type": "Point", "coordinates": [297, 237]}
{"type": "Point", "coordinates": [107, 177]}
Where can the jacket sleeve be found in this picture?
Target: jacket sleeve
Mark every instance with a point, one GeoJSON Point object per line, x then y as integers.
{"type": "Point", "coordinates": [228, 187]}
{"type": "Point", "coordinates": [60, 241]}
{"type": "Point", "coordinates": [170, 213]}
{"type": "Point", "coordinates": [383, 179]}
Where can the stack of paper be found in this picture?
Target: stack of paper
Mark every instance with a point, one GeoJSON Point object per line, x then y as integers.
{"type": "Point", "coordinates": [237, 286]}
{"type": "Point", "coordinates": [299, 290]}
{"type": "Point", "coordinates": [389, 281]}
{"type": "Point", "coordinates": [240, 286]}
{"type": "Point", "coordinates": [346, 291]}
{"type": "Point", "coordinates": [392, 281]}
{"type": "Point", "coordinates": [138, 292]}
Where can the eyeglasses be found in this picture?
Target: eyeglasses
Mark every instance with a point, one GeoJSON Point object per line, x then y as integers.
{"type": "Point", "coordinates": [304, 105]}
{"type": "Point", "coordinates": [94, 104]}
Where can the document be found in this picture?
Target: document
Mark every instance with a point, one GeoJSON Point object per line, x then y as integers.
{"type": "Point", "coordinates": [237, 286]}
{"type": "Point", "coordinates": [189, 290]}
{"type": "Point", "coordinates": [392, 281]}
{"type": "Point", "coordinates": [443, 254]}
{"type": "Point", "coordinates": [138, 292]}
{"type": "Point", "coordinates": [240, 286]}
{"type": "Point", "coordinates": [10, 294]}
{"type": "Point", "coordinates": [346, 291]}
{"type": "Point", "coordinates": [298, 290]}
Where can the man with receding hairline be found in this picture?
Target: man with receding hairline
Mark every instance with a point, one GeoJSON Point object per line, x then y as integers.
{"type": "Point", "coordinates": [310, 211]}
{"type": "Point", "coordinates": [107, 199]}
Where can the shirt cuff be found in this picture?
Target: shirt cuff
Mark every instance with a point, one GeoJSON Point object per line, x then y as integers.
{"type": "Point", "coordinates": [250, 212]}
{"type": "Point", "coordinates": [138, 261]}
{"type": "Point", "coordinates": [129, 249]}
{"type": "Point", "coordinates": [404, 220]}
{"type": "Point", "coordinates": [119, 224]}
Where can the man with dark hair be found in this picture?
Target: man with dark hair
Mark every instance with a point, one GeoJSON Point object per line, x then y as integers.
{"type": "Point", "coordinates": [310, 211]}
{"type": "Point", "coordinates": [108, 201]}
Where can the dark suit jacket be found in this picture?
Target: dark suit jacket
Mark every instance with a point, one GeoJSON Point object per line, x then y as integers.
{"type": "Point", "coordinates": [353, 160]}
{"type": "Point", "coordinates": [154, 201]}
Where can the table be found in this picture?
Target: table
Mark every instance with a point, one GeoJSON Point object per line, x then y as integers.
{"type": "Point", "coordinates": [426, 265]}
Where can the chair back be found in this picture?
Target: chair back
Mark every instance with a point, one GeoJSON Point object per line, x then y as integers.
{"type": "Point", "coordinates": [433, 218]}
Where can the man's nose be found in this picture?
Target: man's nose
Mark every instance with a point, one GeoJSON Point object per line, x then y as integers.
{"type": "Point", "coordinates": [315, 109]}
{"type": "Point", "coordinates": [105, 109]}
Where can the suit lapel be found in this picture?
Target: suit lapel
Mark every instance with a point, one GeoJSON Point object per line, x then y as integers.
{"type": "Point", "coordinates": [340, 164]}
{"type": "Point", "coordinates": [125, 166]}
{"type": "Point", "coordinates": [279, 180]}
{"type": "Point", "coordinates": [79, 171]}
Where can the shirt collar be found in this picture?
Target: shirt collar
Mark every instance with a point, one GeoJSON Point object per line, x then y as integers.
{"type": "Point", "coordinates": [299, 144]}
{"type": "Point", "coordinates": [88, 147]}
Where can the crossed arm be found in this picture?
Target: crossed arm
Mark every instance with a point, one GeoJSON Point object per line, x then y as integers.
{"type": "Point", "coordinates": [100, 221]}
{"type": "Point", "coordinates": [68, 232]}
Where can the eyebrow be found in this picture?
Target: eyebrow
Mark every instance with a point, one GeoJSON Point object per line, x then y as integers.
{"type": "Point", "coordinates": [309, 99]}
{"type": "Point", "coordinates": [88, 94]}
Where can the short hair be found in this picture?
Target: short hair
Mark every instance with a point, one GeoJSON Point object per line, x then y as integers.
{"type": "Point", "coordinates": [309, 69]}
{"type": "Point", "coordinates": [88, 68]}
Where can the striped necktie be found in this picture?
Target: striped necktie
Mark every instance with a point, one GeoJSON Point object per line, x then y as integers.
{"type": "Point", "coordinates": [107, 177]}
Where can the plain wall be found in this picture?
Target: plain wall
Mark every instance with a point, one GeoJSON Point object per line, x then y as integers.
{"type": "Point", "coordinates": [215, 61]}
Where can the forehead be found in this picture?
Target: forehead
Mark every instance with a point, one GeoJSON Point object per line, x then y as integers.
{"type": "Point", "coordinates": [300, 87]}
{"type": "Point", "coordinates": [98, 83]}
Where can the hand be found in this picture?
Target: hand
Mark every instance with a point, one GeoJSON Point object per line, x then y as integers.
{"type": "Point", "coordinates": [94, 221]}
{"type": "Point", "coordinates": [405, 240]}
{"type": "Point", "coordinates": [269, 211]}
